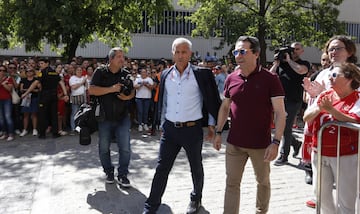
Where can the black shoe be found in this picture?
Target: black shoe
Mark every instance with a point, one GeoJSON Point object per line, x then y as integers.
{"type": "Point", "coordinates": [297, 145]}
{"type": "Point", "coordinates": [308, 177]}
{"type": "Point", "coordinates": [124, 181]}
{"type": "Point", "coordinates": [57, 135]}
{"type": "Point", "coordinates": [110, 178]}
{"type": "Point", "coordinates": [42, 137]}
{"type": "Point", "coordinates": [193, 207]}
{"type": "Point", "coordinates": [282, 160]}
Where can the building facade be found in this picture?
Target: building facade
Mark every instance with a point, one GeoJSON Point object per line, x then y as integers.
{"type": "Point", "coordinates": [154, 42]}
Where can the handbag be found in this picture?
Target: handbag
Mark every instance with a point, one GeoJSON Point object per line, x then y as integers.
{"type": "Point", "coordinates": [26, 101]}
{"type": "Point", "coordinates": [87, 121]}
{"type": "Point", "coordinates": [15, 97]}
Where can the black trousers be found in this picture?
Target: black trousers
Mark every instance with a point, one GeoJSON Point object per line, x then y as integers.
{"type": "Point", "coordinates": [172, 140]}
{"type": "Point", "coordinates": [47, 114]}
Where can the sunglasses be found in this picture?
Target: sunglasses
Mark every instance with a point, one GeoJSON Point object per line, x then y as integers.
{"type": "Point", "coordinates": [2, 70]}
{"type": "Point", "coordinates": [12, 67]}
{"type": "Point", "coordinates": [335, 49]}
{"type": "Point", "coordinates": [22, 68]}
{"type": "Point", "coordinates": [239, 51]}
{"type": "Point", "coordinates": [335, 75]}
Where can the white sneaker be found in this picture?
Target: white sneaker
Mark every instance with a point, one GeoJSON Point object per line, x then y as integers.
{"type": "Point", "coordinates": [140, 128]}
{"type": "Point", "coordinates": [23, 133]}
{"type": "Point", "coordinates": [146, 128]}
{"type": "Point", "coordinates": [17, 131]}
{"type": "Point", "coordinates": [62, 133]}
{"type": "Point", "coordinates": [10, 138]}
{"type": "Point", "coordinates": [35, 132]}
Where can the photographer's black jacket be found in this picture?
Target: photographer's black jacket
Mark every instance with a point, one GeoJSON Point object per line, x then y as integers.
{"type": "Point", "coordinates": [114, 108]}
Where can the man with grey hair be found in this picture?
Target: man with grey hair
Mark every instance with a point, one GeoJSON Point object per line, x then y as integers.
{"type": "Point", "coordinates": [112, 86]}
{"type": "Point", "coordinates": [291, 70]}
{"type": "Point", "coordinates": [188, 99]}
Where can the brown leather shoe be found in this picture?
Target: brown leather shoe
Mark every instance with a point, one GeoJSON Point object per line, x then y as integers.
{"type": "Point", "coordinates": [193, 207]}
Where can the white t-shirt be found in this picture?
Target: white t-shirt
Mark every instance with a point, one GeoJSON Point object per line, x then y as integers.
{"type": "Point", "coordinates": [76, 80]}
{"type": "Point", "coordinates": [323, 76]}
{"type": "Point", "coordinates": [143, 91]}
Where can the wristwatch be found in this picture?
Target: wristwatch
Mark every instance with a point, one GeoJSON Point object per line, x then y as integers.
{"type": "Point", "coordinates": [218, 132]}
{"type": "Point", "coordinates": [275, 141]}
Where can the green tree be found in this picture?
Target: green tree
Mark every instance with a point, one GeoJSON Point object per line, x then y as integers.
{"type": "Point", "coordinates": [67, 24]}
{"type": "Point", "coordinates": [307, 21]}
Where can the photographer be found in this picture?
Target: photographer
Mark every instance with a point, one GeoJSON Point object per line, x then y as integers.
{"type": "Point", "coordinates": [291, 70]}
{"type": "Point", "coordinates": [112, 86]}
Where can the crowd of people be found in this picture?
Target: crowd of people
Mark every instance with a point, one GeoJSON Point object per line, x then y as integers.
{"type": "Point", "coordinates": [182, 96]}
{"type": "Point", "coordinates": [21, 119]}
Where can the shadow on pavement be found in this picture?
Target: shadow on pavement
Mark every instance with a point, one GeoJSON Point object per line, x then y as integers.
{"type": "Point", "coordinates": [116, 200]}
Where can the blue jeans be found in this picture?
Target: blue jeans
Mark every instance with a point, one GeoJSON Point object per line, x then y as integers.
{"type": "Point", "coordinates": [292, 108]}
{"type": "Point", "coordinates": [172, 140]}
{"type": "Point", "coordinates": [6, 120]}
{"type": "Point", "coordinates": [74, 109]}
{"type": "Point", "coordinates": [121, 131]}
{"type": "Point", "coordinates": [142, 106]}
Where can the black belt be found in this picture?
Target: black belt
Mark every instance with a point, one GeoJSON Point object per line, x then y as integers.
{"type": "Point", "coordinates": [184, 124]}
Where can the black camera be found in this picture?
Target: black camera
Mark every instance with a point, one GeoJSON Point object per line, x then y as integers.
{"type": "Point", "coordinates": [127, 85]}
{"type": "Point", "coordinates": [280, 53]}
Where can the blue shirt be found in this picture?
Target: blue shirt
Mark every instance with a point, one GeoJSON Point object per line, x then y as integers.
{"type": "Point", "coordinates": [220, 81]}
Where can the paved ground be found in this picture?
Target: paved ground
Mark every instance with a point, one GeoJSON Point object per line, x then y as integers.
{"type": "Point", "coordinates": [60, 176]}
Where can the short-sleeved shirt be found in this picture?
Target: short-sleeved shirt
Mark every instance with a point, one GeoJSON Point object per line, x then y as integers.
{"type": "Point", "coordinates": [292, 81]}
{"type": "Point", "coordinates": [4, 93]}
{"type": "Point", "coordinates": [251, 107]}
{"type": "Point", "coordinates": [49, 79]}
{"type": "Point", "coordinates": [27, 83]}
{"type": "Point", "coordinates": [349, 105]}
{"type": "Point", "coordinates": [114, 108]}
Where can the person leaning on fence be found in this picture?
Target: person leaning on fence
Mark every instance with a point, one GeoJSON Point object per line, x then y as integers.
{"type": "Point", "coordinates": [339, 49]}
{"type": "Point", "coordinates": [339, 103]}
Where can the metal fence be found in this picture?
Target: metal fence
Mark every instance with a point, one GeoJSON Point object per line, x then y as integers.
{"type": "Point", "coordinates": [318, 187]}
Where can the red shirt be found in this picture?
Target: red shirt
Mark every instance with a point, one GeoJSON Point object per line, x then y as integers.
{"type": "Point", "coordinates": [251, 107]}
{"type": "Point", "coordinates": [349, 105]}
{"type": "Point", "coordinates": [4, 93]}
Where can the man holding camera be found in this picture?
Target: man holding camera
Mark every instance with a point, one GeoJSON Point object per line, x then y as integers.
{"type": "Point", "coordinates": [113, 88]}
{"type": "Point", "coordinates": [291, 70]}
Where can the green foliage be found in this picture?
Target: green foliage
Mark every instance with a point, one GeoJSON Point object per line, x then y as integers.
{"type": "Point", "coordinates": [66, 24]}
{"type": "Point", "coordinates": [272, 21]}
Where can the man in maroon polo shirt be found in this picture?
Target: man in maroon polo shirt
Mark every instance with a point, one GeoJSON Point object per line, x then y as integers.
{"type": "Point", "coordinates": [251, 93]}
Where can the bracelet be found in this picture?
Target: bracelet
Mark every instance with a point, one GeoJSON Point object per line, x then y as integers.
{"type": "Point", "coordinates": [275, 141]}
{"type": "Point", "coordinates": [218, 132]}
